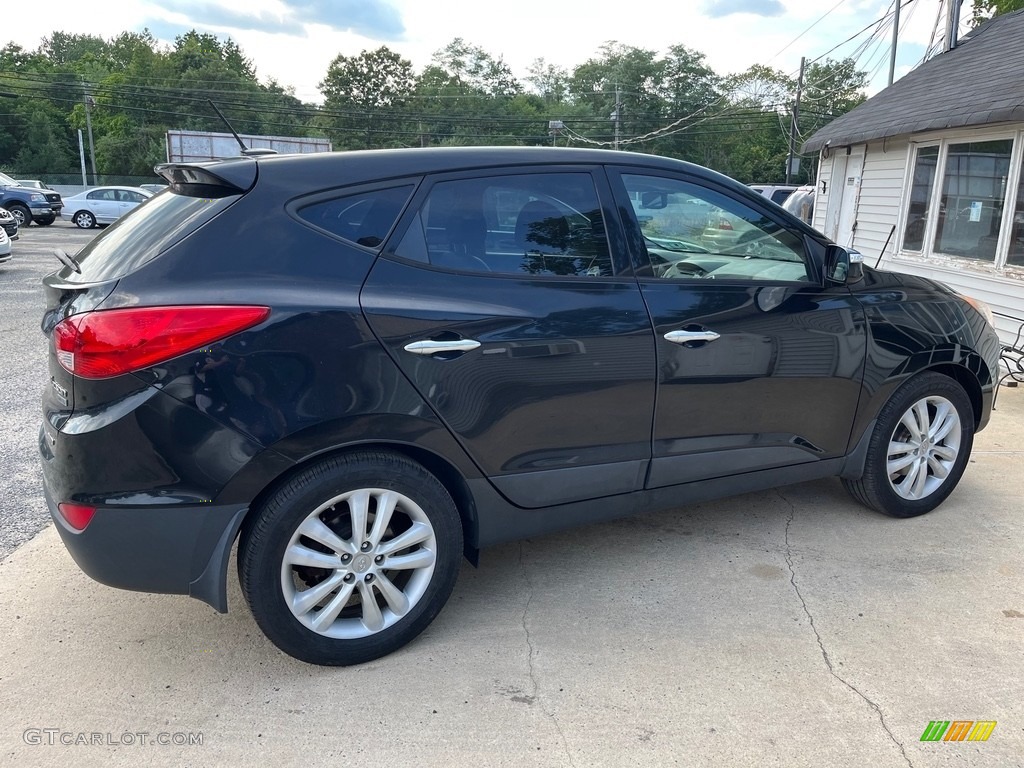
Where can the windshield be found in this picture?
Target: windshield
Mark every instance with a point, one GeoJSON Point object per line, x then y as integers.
{"type": "Point", "coordinates": [7, 180]}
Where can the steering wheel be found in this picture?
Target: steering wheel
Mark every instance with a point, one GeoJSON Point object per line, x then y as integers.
{"type": "Point", "coordinates": [685, 269]}
{"type": "Point", "coordinates": [751, 244]}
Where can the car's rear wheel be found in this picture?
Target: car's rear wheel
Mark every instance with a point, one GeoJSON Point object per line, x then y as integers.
{"type": "Point", "coordinates": [351, 559]}
{"type": "Point", "coordinates": [22, 214]}
{"type": "Point", "coordinates": [45, 222]}
{"type": "Point", "coordinates": [84, 220]}
{"type": "Point", "coordinates": [919, 449]}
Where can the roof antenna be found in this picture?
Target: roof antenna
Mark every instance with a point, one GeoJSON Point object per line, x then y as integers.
{"type": "Point", "coordinates": [246, 151]}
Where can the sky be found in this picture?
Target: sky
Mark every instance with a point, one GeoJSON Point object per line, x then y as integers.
{"type": "Point", "coordinates": [294, 41]}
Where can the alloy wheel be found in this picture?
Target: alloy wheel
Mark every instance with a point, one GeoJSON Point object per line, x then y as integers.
{"type": "Point", "coordinates": [358, 563]}
{"type": "Point", "coordinates": [923, 448]}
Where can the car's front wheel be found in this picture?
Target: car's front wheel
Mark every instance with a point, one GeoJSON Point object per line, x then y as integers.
{"type": "Point", "coordinates": [919, 449]}
{"type": "Point", "coordinates": [351, 559]}
{"type": "Point", "coordinates": [22, 214]}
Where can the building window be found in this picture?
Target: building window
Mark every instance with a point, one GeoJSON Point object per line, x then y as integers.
{"type": "Point", "coordinates": [1016, 249]}
{"type": "Point", "coordinates": [965, 201]}
{"type": "Point", "coordinates": [922, 184]}
{"type": "Point", "coordinates": [973, 191]}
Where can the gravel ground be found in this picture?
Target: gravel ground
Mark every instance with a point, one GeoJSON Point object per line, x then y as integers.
{"type": "Point", "coordinates": [23, 362]}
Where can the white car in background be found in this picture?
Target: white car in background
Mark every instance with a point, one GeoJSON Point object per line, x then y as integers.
{"type": "Point", "coordinates": [5, 246]}
{"type": "Point", "coordinates": [102, 205]}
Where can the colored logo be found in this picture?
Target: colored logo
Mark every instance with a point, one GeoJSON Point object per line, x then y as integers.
{"type": "Point", "coordinates": [958, 730]}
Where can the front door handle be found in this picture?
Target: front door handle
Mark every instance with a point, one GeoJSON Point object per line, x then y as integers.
{"type": "Point", "coordinates": [431, 347]}
{"type": "Point", "coordinates": [686, 337]}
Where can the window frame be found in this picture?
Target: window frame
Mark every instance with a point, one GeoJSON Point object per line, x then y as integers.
{"type": "Point", "coordinates": [928, 252]}
{"type": "Point", "coordinates": [622, 268]}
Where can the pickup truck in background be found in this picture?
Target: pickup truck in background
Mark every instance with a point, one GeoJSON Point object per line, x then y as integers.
{"type": "Point", "coordinates": [27, 205]}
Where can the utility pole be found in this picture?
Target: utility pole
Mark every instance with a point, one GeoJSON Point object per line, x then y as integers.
{"type": "Point", "coordinates": [793, 125]}
{"type": "Point", "coordinates": [617, 116]}
{"type": "Point", "coordinates": [81, 156]}
{"type": "Point", "coordinates": [88, 124]}
{"type": "Point", "coordinates": [895, 39]}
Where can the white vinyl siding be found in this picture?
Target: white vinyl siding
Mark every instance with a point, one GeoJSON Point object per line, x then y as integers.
{"type": "Point", "coordinates": [881, 191]}
{"type": "Point", "coordinates": [821, 200]}
{"type": "Point", "coordinates": [883, 196]}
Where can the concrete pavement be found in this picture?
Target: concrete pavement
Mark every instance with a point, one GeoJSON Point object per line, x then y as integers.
{"type": "Point", "coordinates": [788, 628]}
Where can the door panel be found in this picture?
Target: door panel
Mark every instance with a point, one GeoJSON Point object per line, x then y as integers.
{"type": "Point", "coordinates": [556, 401]}
{"type": "Point", "coordinates": [765, 367]}
{"type": "Point", "coordinates": [779, 386]}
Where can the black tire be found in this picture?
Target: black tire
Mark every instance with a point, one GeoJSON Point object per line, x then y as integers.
{"type": "Point", "coordinates": [348, 637]}
{"type": "Point", "coordinates": [84, 220]}
{"type": "Point", "coordinates": [21, 213]}
{"type": "Point", "coordinates": [45, 222]}
{"type": "Point", "coordinates": [896, 495]}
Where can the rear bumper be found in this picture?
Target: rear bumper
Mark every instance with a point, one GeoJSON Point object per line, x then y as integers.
{"type": "Point", "coordinates": [156, 471]}
{"type": "Point", "coordinates": [165, 549]}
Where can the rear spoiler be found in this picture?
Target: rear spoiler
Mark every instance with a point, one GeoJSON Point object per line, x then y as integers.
{"type": "Point", "coordinates": [214, 179]}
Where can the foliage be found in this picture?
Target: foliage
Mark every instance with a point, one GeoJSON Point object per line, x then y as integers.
{"type": "Point", "coordinates": [668, 102]}
{"type": "Point", "coordinates": [986, 9]}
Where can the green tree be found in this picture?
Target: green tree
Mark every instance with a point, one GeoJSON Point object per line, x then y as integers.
{"type": "Point", "coordinates": [471, 66]}
{"type": "Point", "coordinates": [986, 9]}
{"type": "Point", "coordinates": [370, 91]}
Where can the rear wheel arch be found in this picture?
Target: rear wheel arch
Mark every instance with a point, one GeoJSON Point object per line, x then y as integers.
{"type": "Point", "coordinates": [441, 468]}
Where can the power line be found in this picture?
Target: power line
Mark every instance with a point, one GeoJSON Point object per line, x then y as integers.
{"type": "Point", "coordinates": [790, 43]}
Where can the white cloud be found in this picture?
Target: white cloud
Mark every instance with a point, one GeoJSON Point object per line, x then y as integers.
{"type": "Point", "coordinates": [562, 33]}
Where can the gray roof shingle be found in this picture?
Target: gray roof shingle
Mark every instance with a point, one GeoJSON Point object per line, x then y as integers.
{"type": "Point", "coordinates": [980, 81]}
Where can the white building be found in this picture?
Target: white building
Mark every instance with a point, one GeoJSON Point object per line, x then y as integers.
{"type": "Point", "coordinates": [925, 177]}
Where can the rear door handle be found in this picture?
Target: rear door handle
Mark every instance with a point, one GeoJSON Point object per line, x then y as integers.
{"type": "Point", "coordinates": [685, 337]}
{"type": "Point", "coordinates": [431, 347]}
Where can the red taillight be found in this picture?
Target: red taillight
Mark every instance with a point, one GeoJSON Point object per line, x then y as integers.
{"type": "Point", "coordinates": [724, 224]}
{"type": "Point", "coordinates": [77, 515]}
{"type": "Point", "coordinates": [97, 345]}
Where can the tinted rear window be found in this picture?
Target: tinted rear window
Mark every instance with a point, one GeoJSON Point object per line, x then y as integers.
{"type": "Point", "coordinates": [143, 234]}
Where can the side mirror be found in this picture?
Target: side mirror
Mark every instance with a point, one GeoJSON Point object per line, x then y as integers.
{"type": "Point", "coordinates": [843, 265]}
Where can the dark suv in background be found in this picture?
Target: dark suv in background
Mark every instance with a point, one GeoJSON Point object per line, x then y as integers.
{"type": "Point", "coordinates": [366, 365]}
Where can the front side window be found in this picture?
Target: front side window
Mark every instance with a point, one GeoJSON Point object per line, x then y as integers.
{"type": "Point", "coordinates": [546, 224]}
{"type": "Point", "coordinates": [973, 191]}
{"type": "Point", "coordinates": [103, 194]}
{"type": "Point", "coordinates": [693, 232]}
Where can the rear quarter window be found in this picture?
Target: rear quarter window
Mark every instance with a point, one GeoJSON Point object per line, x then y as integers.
{"type": "Point", "coordinates": [363, 218]}
{"type": "Point", "coordinates": [143, 234]}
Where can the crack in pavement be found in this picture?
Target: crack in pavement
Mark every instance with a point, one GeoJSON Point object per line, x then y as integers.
{"type": "Point", "coordinates": [533, 673]}
{"type": "Point", "coordinates": [821, 644]}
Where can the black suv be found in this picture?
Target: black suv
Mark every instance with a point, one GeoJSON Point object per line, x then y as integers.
{"type": "Point", "coordinates": [366, 365]}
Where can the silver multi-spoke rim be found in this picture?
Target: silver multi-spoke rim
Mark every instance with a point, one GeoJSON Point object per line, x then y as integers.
{"type": "Point", "coordinates": [923, 448]}
{"type": "Point", "coordinates": [359, 563]}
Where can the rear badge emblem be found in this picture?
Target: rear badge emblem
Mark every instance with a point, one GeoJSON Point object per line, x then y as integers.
{"type": "Point", "coordinates": [61, 392]}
